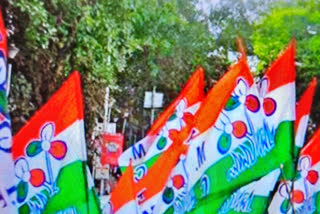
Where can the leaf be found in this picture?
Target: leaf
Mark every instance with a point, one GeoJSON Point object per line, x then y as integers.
{"type": "Point", "coordinates": [34, 148]}
{"type": "Point", "coordinates": [172, 117]}
{"type": "Point", "coordinates": [168, 195]}
{"type": "Point", "coordinates": [224, 143]}
{"type": "Point", "coordinates": [22, 191]}
{"type": "Point", "coordinates": [47, 132]}
{"type": "Point", "coordinates": [162, 142]}
{"type": "Point", "coordinates": [232, 103]}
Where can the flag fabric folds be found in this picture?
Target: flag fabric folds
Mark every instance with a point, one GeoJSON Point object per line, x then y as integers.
{"type": "Point", "coordinates": [145, 152]}
{"type": "Point", "coordinates": [302, 115]}
{"type": "Point", "coordinates": [253, 127]}
{"type": "Point", "coordinates": [7, 178]}
{"type": "Point", "coordinates": [202, 149]}
{"type": "Point", "coordinates": [252, 198]}
{"type": "Point", "coordinates": [301, 195]}
{"type": "Point", "coordinates": [50, 157]}
{"type": "Point", "coordinates": [123, 199]}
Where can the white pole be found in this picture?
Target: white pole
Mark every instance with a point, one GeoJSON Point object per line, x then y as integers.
{"type": "Point", "coordinates": [105, 128]}
{"type": "Point", "coordinates": [9, 79]}
{"type": "Point", "coordinates": [101, 187]}
{"type": "Point", "coordinates": [152, 102]}
{"type": "Point", "coordinates": [106, 109]}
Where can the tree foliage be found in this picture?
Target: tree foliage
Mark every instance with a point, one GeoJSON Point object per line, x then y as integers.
{"type": "Point", "coordinates": [133, 45]}
{"type": "Point", "coordinates": [301, 20]}
{"type": "Point", "coordinates": [129, 46]}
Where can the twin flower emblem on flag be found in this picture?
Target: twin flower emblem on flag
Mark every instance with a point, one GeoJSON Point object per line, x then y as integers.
{"type": "Point", "coordinates": [37, 177]}
{"type": "Point", "coordinates": [299, 196]}
{"type": "Point", "coordinates": [177, 121]}
{"type": "Point", "coordinates": [257, 142]}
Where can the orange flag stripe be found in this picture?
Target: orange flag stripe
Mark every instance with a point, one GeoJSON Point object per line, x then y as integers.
{"type": "Point", "coordinates": [3, 34]}
{"type": "Point", "coordinates": [208, 113]}
{"type": "Point", "coordinates": [192, 91]}
{"type": "Point", "coordinates": [277, 77]}
{"type": "Point", "coordinates": [219, 95]}
{"type": "Point", "coordinates": [304, 105]}
{"type": "Point", "coordinates": [312, 149]}
{"type": "Point", "coordinates": [70, 95]}
{"type": "Point", "coordinates": [123, 192]}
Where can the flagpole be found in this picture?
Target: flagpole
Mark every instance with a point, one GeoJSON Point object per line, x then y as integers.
{"type": "Point", "coordinates": [105, 129]}
{"type": "Point", "coordinates": [288, 189]}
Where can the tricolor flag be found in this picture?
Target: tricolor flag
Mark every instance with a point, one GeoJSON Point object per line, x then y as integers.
{"type": "Point", "coordinates": [144, 153]}
{"type": "Point", "coordinates": [202, 151]}
{"type": "Point", "coordinates": [301, 123]}
{"type": "Point", "coordinates": [50, 157]}
{"type": "Point", "coordinates": [305, 194]}
{"type": "Point", "coordinates": [252, 198]}
{"type": "Point", "coordinates": [302, 115]}
{"type": "Point", "coordinates": [123, 197]}
{"type": "Point", "coordinates": [278, 92]}
{"type": "Point", "coordinates": [205, 149]}
{"type": "Point", "coordinates": [252, 129]}
{"type": "Point", "coordinates": [146, 189]}
{"type": "Point", "coordinates": [7, 178]}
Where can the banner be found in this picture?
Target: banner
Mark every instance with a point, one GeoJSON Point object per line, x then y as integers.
{"type": "Point", "coordinates": [111, 149]}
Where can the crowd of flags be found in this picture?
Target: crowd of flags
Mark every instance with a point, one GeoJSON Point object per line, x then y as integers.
{"type": "Point", "coordinates": [239, 148]}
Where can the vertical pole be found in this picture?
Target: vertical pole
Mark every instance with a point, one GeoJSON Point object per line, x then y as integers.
{"type": "Point", "coordinates": [101, 187]}
{"type": "Point", "coordinates": [152, 102]}
{"type": "Point", "coordinates": [124, 125]}
{"type": "Point", "coordinates": [105, 128]}
{"type": "Point", "coordinates": [9, 79]}
{"type": "Point", "coordinates": [106, 110]}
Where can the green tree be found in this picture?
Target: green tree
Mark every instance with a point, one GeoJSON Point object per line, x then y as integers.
{"type": "Point", "coordinates": [299, 19]}
{"type": "Point", "coordinates": [128, 45]}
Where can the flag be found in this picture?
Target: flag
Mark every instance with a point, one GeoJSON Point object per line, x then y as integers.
{"type": "Point", "coordinates": [303, 194]}
{"type": "Point", "coordinates": [203, 148]}
{"type": "Point", "coordinates": [247, 134]}
{"type": "Point", "coordinates": [123, 198]}
{"type": "Point", "coordinates": [145, 189]}
{"type": "Point", "coordinates": [302, 115]}
{"type": "Point", "coordinates": [252, 198]}
{"type": "Point", "coordinates": [50, 157]}
{"type": "Point", "coordinates": [7, 178]}
{"type": "Point", "coordinates": [216, 99]}
{"type": "Point", "coordinates": [175, 117]}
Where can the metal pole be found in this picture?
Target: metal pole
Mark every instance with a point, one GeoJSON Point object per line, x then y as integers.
{"type": "Point", "coordinates": [106, 109]}
{"type": "Point", "coordinates": [101, 187]}
{"type": "Point", "coordinates": [9, 79]}
{"type": "Point", "coordinates": [124, 125]}
{"type": "Point", "coordinates": [105, 128]}
{"type": "Point", "coordinates": [152, 102]}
